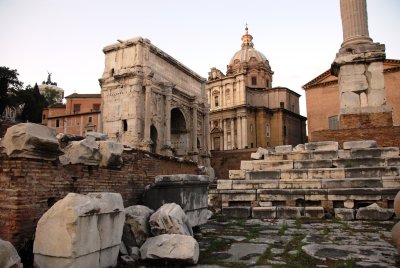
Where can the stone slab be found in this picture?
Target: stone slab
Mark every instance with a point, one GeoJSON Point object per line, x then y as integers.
{"type": "Point", "coordinates": [324, 155]}
{"type": "Point", "coordinates": [264, 212]}
{"type": "Point", "coordinates": [283, 149]}
{"type": "Point", "coordinates": [263, 175]}
{"type": "Point", "coordinates": [314, 212]}
{"type": "Point", "coordinates": [359, 162]}
{"type": "Point", "coordinates": [359, 144]}
{"type": "Point", "coordinates": [352, 183]}
{"type": "Point", "coordinates": [236, 174]}
{"type": "Point", "coordinates": [390, 151]}
{"type": "Point", "coordinates": [322, 146]}
{"type": "Point", "coordinates": [300, 184]}
{"type": "Point", "coordinates": [344, 214]}
{"type": "Point", "coordinates": [306, 164]}
{"type": "Point", "coordinates": [326, 173]}
{"type": "Point", "coordinates": [393, 161]}
{"type": "Point", "coordinates": [369, 172]}
{"type": "Point", "coordinates": [254, 184]}
{"type": "Point", "coordinates": [294, 174]}
{"type": "Point", "coordinates": [374, 213]}
{"type": "Point", "coordinates": [367, 152]}
{"type": "Point", "coordinates": [237, 212]}
{"type": "Point", "coordinates": [224, 184]}
{"type": "Point", "coordinates": [289, 212]}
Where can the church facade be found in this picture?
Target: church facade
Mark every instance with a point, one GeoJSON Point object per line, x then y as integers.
{"type": "Point", "coordinates": [153, 102]}
{"type": "Point", "coordinates": [245, 110]}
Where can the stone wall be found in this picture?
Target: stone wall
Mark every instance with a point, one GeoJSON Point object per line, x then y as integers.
{"type": "Point", "coordinates": [28, 187]}
{"type": "Point", "coordinates": [223, 161]}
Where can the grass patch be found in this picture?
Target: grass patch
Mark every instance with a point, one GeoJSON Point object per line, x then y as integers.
{"type": "Point", "coordinates": [241, 222]}
{"type": "Point", "coordinates": [267, 255]}
{"type": "Point", "coordinates": [326, 230]}
{"type": "Point", "coordinates": [216, 245]}
{"type": "Point", "coordinates": [298, 223]}
{"type": "Point", "coordinates": [283, 228]}
{"type": "Point", "coordinates": [300, 259]}
{"type": "Point", "coordinates": [351, 263]}
{"type": "Point", "coordinates": [252, 234]}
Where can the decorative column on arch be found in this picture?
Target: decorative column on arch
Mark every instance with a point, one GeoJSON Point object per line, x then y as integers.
{"type": "Point", "coordinates": [207, 128]}
{"type": "Point", "coordinates": [194, 129]}
{"type": "Point", "coordinates": [147, 116]}
{"type": "Point", "coordinates": [167, 112]}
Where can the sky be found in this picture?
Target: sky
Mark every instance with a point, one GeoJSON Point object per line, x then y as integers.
{"type": "Point", "coordinates": [66, 37]}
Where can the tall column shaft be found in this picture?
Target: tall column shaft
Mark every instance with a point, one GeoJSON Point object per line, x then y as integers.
{"type": "Point", "coordinates": [167, 134]}
{"type": "Point", "coordinates": [147, 115]}
{"type": "Point", "coordinates": [194, 145]}
{"type": "Point", "coordinates": [244, 131]}
{"type": "Point", "coordinates": [239, 132]}
{"type": "Point", "coordinates": [206, 136]}
{"type": "Point", "coordinates": [225, 135]}
{"type": "Point", "coordinates": [354, 22]}
{"type": "Point", "coordinates": [232, 134]}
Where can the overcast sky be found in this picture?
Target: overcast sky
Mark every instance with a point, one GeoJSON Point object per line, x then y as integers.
{"type": "Point", "coordinates": [66, 37]}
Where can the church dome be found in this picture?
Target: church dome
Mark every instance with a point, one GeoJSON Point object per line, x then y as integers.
{"type": "Point", "coordinates": [248, 55]}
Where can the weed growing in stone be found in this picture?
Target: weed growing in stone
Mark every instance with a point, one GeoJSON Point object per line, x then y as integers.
{"type": "Point", "coordinates": [267, 255]}
{"type": "Point", "coordinates": [348, 264]}
{"type": "Point", "coordinates": [300, 259]}
{"type": "Point", "coordinates": [298, 223]}
{"type": "Point", "coordinates": [283, 228]}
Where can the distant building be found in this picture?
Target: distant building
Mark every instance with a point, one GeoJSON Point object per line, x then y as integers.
{"type": "Point", "coordinates": [48, 84]}
{"type": "Point", "coordinates": [245, 110]}
{"type": "Point", "coordinates": [80, 115]}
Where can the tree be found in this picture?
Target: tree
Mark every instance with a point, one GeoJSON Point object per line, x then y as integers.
{"type": "Point", "coordinates": [33, 102]}
{"type": "Point", "coordinates": [9, 88]}
{"type": "Point", "coordinates": [52, 96]}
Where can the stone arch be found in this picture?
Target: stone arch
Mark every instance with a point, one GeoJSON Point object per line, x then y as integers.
{"type": "Point", "coordinates": [179, 132]}
{"type": "Point", "coordinates": [154, 138]}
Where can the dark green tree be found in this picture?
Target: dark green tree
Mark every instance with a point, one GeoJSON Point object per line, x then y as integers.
{"type": "Point", "coordinates": [52, 96]}
{"type": "Point", "coordinates": [34, 104]}
{"type": "Point", "coordinates": [9, 88]}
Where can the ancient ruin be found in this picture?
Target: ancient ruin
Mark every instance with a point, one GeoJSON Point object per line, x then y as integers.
{"type": "Point", "coordinates": [313, 179]}
{"type": "Point", "coordinates": [362, 102]}
{"type": "Point", "coordinates": [153, 102]}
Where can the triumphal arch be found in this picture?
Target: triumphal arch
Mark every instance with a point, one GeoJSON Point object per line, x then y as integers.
{"type": "Point", "coordinates": [153, 102]}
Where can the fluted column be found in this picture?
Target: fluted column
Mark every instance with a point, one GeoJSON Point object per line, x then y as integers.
{"type": "Point", "coordinates": [147, 116]}
{"type": "Point", "coordinates": [232, 134]}
{"type": "Point", "coordinates": [239, 132]}
{"type": "Point", "coordinates": [225, 135]}
{"type": "Point", "coordinates": [354, 22]}
{"type": "Point", "coordinates": [206, 132]}
{"type": "Point", "coordinates": [167, 134]}
{"type": "Point", "coordinates": [194, 145]}
{"type": "Point", "coordinates": [244, 131]}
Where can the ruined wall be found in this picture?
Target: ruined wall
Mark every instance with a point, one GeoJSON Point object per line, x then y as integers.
{"type": "Point", "coordinates": [28, 187]}
{"type": "Point", "coordinates": [223, 161]}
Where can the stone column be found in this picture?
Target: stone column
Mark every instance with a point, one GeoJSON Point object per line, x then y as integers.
{"type": "Point", "coordinates": [354, 22]}
{"type": "Point", "coordinates": [239, 132]}
{"type": "Point", "coordinates": [244, 131]}
{"type": "Point", "coordinates": [167, 112]}
{"type": "Point", "coordinates": [225, 135]}
{"type": "Point", "coordinates": [194, 129]}
{"type": "Point", "coordinates": [147, 118]}
{"type": "Point", "coordinates": [207, 128]}
{"type": "Point", "coordinates": [232, 133]}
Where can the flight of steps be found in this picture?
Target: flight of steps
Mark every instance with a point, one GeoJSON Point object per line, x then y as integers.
{"type": "Point", "coordinates": [314, 180]}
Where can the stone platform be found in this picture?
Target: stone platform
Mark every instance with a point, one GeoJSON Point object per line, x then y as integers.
{"type": "Point", "coordinates": [314, 179]}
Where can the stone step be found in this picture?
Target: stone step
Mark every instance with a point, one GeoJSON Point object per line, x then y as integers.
{"type": "Point", "coordinates": [255, 184]}
{"type": "Point", "coordinates": [375, 152]}
{"type": "Point", "coordinates": [266, 165]}
{"type": "Point", "coordinates": [393, 161]}
{"type": "Point", "coordinates": [263, 175]}
{"type": "Point", "coordinates": [322, 146]}
{"type": "Point", "coordinates": [391, 182]}
{"type": "Point", "coordinates": [352, 183]}
{"type": "Point", "coordinates": [236, 174]}
{"type": "Point", "coordinates": [359, 162]}
{"type": "Point", "coordinates": [300, 184]}
{"type": "Point", "coordinates": [360, 144]}
{"type": "Point", "coordinates": [370, 172]}
{"type": "Point", "coordinates": [306, 164]}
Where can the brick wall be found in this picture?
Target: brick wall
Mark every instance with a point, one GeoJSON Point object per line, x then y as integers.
{"type": "Point", "coordinates": [223, 161]}
{"type": "Point", "coordinates": [28, 187]}
{"type": "Point", "coordinates": [384, 136]}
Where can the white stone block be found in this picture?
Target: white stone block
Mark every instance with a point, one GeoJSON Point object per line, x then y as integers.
{"type": "Point", "coordinates": [359, 144]}
{"type": "Point", "coordinates": [283, 149]}
{"type": "Point", "coordinates": [322, 146]}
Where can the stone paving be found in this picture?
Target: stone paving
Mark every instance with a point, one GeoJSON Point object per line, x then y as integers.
{"type": "Point", "coordinates": [296, 243]}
